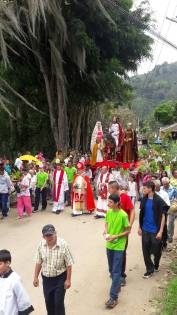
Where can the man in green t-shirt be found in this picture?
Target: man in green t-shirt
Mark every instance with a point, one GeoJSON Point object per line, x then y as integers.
{"type": "Point", "coordinates": [41, 189]}
{"type": "Point", "coordinates": [116, 230]}
{"type": "Point", "coordinates": [70, 171]}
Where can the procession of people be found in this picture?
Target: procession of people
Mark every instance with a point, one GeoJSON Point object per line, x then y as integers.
{"type": "Point", "coordinates": [109, 190]}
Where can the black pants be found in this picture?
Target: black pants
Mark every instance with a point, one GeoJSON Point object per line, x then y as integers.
{"type": "Point", "coordinates": [54, 294]}
{"type": "Point", "coordinates": [151, 246]}
{"type": "Point", "coordinates": [4, 203]}
{"type": "Point", "coordinates": [68, 194]}
{"type": "Point", "coordinates": [38, 192]}
{"type": "Point", "coordinates": [165, 234]}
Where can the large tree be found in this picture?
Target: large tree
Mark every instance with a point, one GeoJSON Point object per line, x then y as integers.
{"type": "Point", "coordinates": [82, 49]}
{"type": "Point", "coordinates": [166, 112]}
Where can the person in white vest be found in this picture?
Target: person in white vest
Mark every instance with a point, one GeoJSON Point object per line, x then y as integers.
{"type": "Point", "coordinates": [13, 297]}
{"type": "Point", "coordinates": [102, 187]}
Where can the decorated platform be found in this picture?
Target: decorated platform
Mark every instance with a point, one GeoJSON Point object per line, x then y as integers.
{"type": "Point", "coordinates": [113, 164]}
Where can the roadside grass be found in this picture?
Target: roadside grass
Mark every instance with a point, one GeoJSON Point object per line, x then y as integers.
{"type": "Point", "coordinates": [173, 266]}
{"type": "Point", "coordinates": [169, 301]}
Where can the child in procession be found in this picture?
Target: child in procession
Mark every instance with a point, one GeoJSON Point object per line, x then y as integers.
{"type": "Point", "coordinates": [132, 188]}
{"type": "Point", "coordinates": [13, 297]}
{"type": "Point", "coordinates": [116, 231]}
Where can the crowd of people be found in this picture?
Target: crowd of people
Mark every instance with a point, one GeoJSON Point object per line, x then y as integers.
{"type": "Point", "coordinates": [108, 192]}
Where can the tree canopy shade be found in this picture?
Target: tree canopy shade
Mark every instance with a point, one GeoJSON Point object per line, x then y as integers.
{"type": "Point", "coordinates": [80, 52]}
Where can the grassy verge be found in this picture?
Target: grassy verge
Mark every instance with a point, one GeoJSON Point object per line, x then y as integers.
{"type": "Point", "coordinates": [170, 297]}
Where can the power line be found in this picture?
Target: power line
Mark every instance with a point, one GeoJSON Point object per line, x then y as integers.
{"type": "Point", "coordinates": [172, 20]}
{"type": "Point", "coordinates": [146, 79]}
{"type": "Point", "coordinates": [140, 24]}
{"type": "Point", "coordinates": [158, 57]}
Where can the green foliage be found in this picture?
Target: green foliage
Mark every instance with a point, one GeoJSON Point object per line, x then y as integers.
{"type": "Point", "coordinates": [23, 133]}
{"type": "Point", "coordinates": [171, 152]}
{"type": "Point", "coordinates": [82, 51]}
{"type": "Point", "coordinates": [173, 266]}
{"type": "Point", "coordinates": [16, 175]}
{"type": "Point", "coordinates": [144, 167]}
{"type": "Point", "coordinates": [143, 153]}
{"type": "Point", "coordinates": [168, 150]}
{"type": "Point", "coordinates": [153, 166]}
{"type": "Point", "coordinates": [153, 88]}
{"type": "Point", "coordinates": [166, 112]}
{"type": "Point", "coordinates": [170, 298]}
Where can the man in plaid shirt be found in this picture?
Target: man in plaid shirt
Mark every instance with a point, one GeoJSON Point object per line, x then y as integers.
{"type": "Point", "coordinates": [54, 261]}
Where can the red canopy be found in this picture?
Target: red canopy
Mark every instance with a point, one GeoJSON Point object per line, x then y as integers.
{"type": "Point", "coordinates": [113, 164]}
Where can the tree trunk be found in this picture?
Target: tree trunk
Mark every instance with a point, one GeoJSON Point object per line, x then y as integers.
{"type": "Point", "coordinates": [49, 92]}
{"type": "Point", "coordinates": [78, 129]}
{"type": "Point", "coordinates": [58, 120]}
{"type": "Point", "coordinates": [12, 134]}
{"type": "Point", "coordinates": [76, 114]}
{"type": "Point", "coordinates": [85, 131]}
{"type": "Point", "coordinates": [63, 134]}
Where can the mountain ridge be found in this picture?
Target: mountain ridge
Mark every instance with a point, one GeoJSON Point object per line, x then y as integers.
{"type": "Point", "coordinates": [153, 88]}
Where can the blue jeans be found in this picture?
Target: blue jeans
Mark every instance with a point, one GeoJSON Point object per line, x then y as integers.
{"type": "Point", "coordinates": [115, 259]}
{"type": "Point", "coordinates": [133, 199]}
{"type": "Point", "coordinates": [3, 204]}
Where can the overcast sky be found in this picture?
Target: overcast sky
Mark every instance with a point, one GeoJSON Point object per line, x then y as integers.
{"type": "Point", "coordinates": [161, 52]}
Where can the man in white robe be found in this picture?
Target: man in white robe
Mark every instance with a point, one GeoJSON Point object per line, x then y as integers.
{"type": "Point", "coordinates": [60, 187]}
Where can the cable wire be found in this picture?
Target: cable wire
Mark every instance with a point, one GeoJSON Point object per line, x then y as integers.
{"type": "Point", "coordinates": [158, 57]}
{"type": "Point", "coordinates": [140, 24]}
{"type": "Point", "coordinates": [146, 79]}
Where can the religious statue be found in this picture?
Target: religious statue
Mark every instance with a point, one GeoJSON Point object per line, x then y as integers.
{"type": "Point", "coordinates": [97, 133]}
{"type": "Point", "coordinates": [97, 144]}
{"type": "Point", "coordinates": [97, 152]}
{"type": "Point", "coordinates": [130, 147]}
{"type": "Point", "coordinates": [116, 132]}
{"type": "Point", "coordinates": [109, 147]}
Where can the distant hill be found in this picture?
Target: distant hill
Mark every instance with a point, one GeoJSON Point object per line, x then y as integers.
{"type": "Point", "coordinates": [153, 88]}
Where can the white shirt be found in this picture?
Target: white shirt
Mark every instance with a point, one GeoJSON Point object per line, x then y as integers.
{"type": "Point", "coordinates": [132, 189]}
{"type": "Point", "coordinates": [164, 195]}
{"type": "Point", "coordinates": [13, 297]}
{"type": "Point", "coordinates": [24, 191]}
{"type": "Point", "coordinates": [18, 163]}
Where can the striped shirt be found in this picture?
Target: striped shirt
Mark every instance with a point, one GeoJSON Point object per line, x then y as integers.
{"type": "Point", "coordinates": [54, 260]}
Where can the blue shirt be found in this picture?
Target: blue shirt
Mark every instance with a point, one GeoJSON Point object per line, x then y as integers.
{"type": "Point", "coordinates": [172, 192]}
{"type": "Point", "coordinates": [149, 224]}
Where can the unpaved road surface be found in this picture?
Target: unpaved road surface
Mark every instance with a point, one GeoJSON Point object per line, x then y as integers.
{"type": "Point", "coordinates": [90, 281]}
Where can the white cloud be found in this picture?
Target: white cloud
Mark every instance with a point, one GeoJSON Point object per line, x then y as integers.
{"type": "Point", "coordinates": [161, 52]}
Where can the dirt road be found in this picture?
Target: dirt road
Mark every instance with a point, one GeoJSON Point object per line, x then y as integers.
{"type": "Point", "coordinates": [90, 282]}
